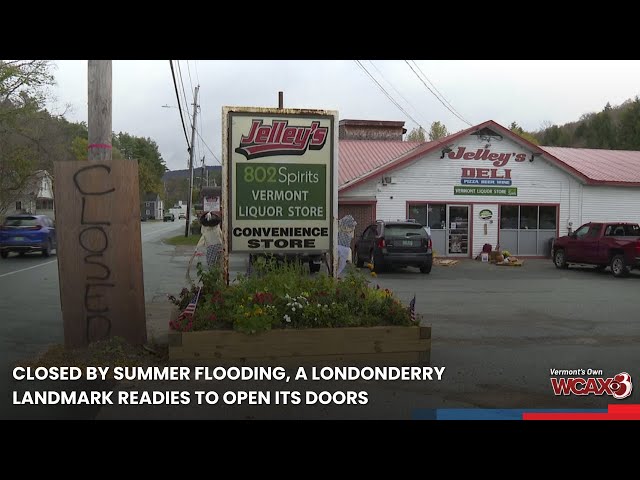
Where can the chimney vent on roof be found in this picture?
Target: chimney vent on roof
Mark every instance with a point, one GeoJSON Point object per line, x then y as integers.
{"type": "Point", "coordinates": [371, 130]}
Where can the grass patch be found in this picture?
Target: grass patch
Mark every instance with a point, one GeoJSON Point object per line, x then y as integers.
{"type": "Point", "coordinates": [182, 240]}
{"type": "Point", "coordinates": [113, 352]}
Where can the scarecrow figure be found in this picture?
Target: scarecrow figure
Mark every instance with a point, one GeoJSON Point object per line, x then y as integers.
{"type": "Point", "coordinates": [211, 239]}
{"type": "Point", "coordinates": [346, 229]}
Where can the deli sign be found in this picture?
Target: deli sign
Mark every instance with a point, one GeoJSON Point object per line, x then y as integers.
{"type": "Point", "coordinates": [490, 169]}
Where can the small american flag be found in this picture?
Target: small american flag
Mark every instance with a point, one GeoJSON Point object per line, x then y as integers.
{"type": "Point", "coordinates": [412, 308]}
{"type": "Point", "coordinates": [191, 308]}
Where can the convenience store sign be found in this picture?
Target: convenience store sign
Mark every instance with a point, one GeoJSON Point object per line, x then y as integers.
{"type": "Point", "coordinates": [281, 172]}
{"type": "Point", "coordinates": [486, 191]}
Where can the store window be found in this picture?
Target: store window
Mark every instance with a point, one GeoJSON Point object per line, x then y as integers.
{"type": "Point", "coordinates": [528, 229]}
{"type": "Point", "coordinates": [418, 213]}
{"type": "Point", "coordinates": [529, 217]}
{"type": "Point", "coordinates": [548, 217]}
{"type": "Point", "coordinates": [509, 217]}
{"type": "Point", "coordinates": [437, 216]}
{"type": "Point", "coordinates": [433, 215]}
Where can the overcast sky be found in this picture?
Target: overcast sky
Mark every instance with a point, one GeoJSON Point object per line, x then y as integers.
{"type": "Point", "coordinates": [526, 91]}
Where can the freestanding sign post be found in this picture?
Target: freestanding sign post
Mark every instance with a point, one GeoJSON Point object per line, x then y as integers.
{"type": "Point", "coordinates": [280, 181]}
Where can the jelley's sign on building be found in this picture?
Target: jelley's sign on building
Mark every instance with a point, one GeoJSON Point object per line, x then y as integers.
{"type": "Point", "coordinates": [281, 176]}
{"type": "Point", "coordinates": [493, 171]}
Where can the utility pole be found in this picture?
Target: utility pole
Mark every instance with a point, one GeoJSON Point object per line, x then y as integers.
{"type": "Point", "coordinates": [187, 228]}
{"type": "Point", "coordinates": [202, 173]}
{"type": "Point", "coordinates": [99, 124]}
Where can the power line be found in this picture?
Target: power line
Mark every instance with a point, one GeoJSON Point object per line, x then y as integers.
{"type": "Point", "coordinates": [433, 93]}
{"type": "Point", "coordinates": [184, 94]}
{"type": "Point", "coordinates": [205, 144]}
{"type": "Point", "coordinates": [189, 70]}
{"type": "Point", "coordinates": [201, 124]}
{"type": "Point", "coordinates": [387, 94]}
{"type": "Point", "coordinates": [197, 76]}
{"type": "Point", "coordinates": [435, 88]}
{"type": "Point", "coordinates": [396, 90]}
{"type": "Point", "coordinates": [175, 85]}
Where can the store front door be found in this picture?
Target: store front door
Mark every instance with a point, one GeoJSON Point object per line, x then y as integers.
{"type": "Point", "coordinates": [458, 230]}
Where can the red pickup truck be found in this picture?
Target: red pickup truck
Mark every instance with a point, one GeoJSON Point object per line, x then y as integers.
{"type": "Point", "coordinates": [614, 244]}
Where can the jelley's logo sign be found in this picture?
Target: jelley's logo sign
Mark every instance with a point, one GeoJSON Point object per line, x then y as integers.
{"type": "Point", "coordinates": [281, 139]}
{"type": "Point", "coordinates": [486, 175]}
{"type": "Point", "coordinates": [498, 159]}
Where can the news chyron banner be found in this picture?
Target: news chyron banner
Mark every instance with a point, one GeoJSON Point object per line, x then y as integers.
{"type": "Point", "coordinates": [281, 178]}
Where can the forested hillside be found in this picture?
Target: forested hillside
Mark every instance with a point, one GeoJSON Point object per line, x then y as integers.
{"type": "Point", "coordinates": [615, 128]}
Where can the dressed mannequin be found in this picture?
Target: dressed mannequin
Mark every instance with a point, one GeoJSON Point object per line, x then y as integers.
{"type": "Point", "coordinates": [346, 229]}
{"type": "Point", "coordinates": [211, 239]}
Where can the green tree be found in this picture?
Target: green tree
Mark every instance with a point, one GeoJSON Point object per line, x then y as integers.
{"type": "Point", "coordinates": [151, 165]}
{"type": "Point", "coordinates": [515, 128]}
{"type": "Point", "coordinates": [176, 189]}
{"type": "Point", "coordinates": [437, 131]}
{"type": "Point", "coordinates": [416, 135]}
{"type": "Point", "coordinates": [629, 132]}
{"type": "Point", "coordinates": [23, 82]}
{"type": "Point", "coordinates": [23, 126]}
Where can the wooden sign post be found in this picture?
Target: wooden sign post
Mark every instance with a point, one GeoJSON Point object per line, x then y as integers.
{"type": "Point", "coordinates": [99, 251]}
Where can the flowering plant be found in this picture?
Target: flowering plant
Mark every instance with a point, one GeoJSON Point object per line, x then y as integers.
{"type": "Point", "coordinates": [286, 296]}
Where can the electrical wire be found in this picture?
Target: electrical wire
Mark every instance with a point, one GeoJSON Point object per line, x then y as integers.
{"type": "Point", "coordinates": [200, 122]}
{"type": "Point", "coordinates": [175, 85]}
{"type": "Point", "coordinates": [184, 93]}
{"type": "Point", "coordinates": [205, 144]}
{"type": "Point", "coordinates": [435, 88]}
{"type": "Point", "coordinates": [387, 94]}
{"type": "Point", "coordinates": [396, 90]}
{"type": "Point", "coordinates": [433, 93]}
{"type": "Point", "coordinates": [189, 70]}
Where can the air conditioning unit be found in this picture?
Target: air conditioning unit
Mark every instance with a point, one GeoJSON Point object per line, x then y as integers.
{"type": "Point", "coordinates": [387, 180]}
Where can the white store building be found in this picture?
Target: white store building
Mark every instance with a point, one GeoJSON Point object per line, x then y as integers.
{"type": "Point", "coordinates": [484, 185]}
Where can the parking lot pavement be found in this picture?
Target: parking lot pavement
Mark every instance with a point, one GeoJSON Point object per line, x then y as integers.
{"type": "Point", "coordinates": [499, 330]}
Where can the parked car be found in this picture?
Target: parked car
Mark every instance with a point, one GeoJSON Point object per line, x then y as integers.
{"type": "Point", "coordinates": [169, 217]}
{"type": "Point", "coordinates": [394, 244]}
{"type": "Point", "coordinates": [182, 216]}
{"type": "Point", "coordinates": [614, 244]}
{"type": "Point", "coordinates": [27, 233]}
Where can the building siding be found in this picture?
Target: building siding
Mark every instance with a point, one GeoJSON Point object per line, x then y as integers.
{"type": "Point", "coordinates": [610, 204]}
{"type": "Point", "coordinates": [431, 178]}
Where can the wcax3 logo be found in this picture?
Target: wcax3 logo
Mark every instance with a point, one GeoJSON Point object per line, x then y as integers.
{"type": "Point", "coordinates": [619, 386]}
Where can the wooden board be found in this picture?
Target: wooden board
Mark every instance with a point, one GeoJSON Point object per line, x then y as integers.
{"type": "Point", "coordinates": [99, 251]}
{"type": "Point", "coordinates": [313, 345]}
{"type": "Point", "coordinates": [519, 263]}
{"type": "Point", "coordinates": [445, 262]}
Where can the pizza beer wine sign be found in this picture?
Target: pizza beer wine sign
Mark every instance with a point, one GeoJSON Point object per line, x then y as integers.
{"type": "Point", "coordinates": [493, 171]}
{"type": "Point", "coordinates": [280, 170]}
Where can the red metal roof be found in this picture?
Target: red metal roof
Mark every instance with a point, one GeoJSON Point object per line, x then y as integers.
{"type": "Point", "coordinates": [359, 157]}
{"type": "Point", "coordinates": [362, 159]}
{"type": "Point", "coordinates": [600, 166]}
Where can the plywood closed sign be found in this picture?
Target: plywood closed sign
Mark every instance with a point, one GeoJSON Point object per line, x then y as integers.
{"type": "Point", "coordinates": [99, 251]}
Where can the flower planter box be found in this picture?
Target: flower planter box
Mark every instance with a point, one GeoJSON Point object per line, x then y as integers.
{"type": "Point", "coordinates": [327, 346]}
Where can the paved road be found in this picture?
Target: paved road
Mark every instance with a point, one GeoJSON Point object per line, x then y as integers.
{"type": "Point", "coordinates": [30, 295]}
{"type": "Point", "coordinates": [498, 331]}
